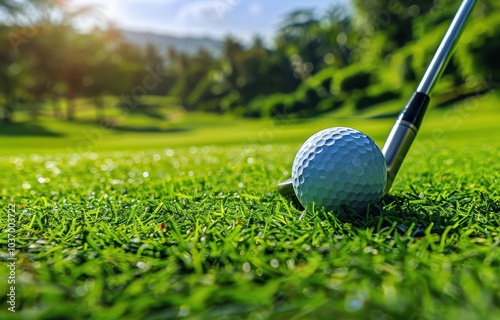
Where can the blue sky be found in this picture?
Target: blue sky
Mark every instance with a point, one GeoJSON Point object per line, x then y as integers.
{"type": "Point", "coordinates": [215, 18]}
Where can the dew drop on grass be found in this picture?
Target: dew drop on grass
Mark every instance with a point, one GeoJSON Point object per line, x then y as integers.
{"type": "Point", "coordinates": [135, 240]}
{"type": "Point", "coordinates": [169, 153]}
{"type": "Point", "coordinates": [187, 259]}
{"type": "Point", "coordinates": [34, 157]}
{"type": "Point", "coordinates": [413, 264]}
{"type": "Point", "coordinates": [246, 267]}
{"type": "Point", "coordinates": [184, 311]}
{"type": "Point", "coordinates": [308, 292]}
{"type": "Point", "coordinates": [389, 292]}
{"type": "Point", "coordinates": [89, 283]}
{"type": "Point", "coordinates": [354, 303]}
{"type": "Point", "coordinates": [81, 291]}
{"type": "Point", "coordinates": [275, 263]}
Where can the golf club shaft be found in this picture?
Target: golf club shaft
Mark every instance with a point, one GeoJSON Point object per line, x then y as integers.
{"type": "Point", "coordinates": [408, 123]}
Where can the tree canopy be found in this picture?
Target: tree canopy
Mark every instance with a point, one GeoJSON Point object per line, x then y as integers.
{"type": "Point", "coordinates": [355, 57]}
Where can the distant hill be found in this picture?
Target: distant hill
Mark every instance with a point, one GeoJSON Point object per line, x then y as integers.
{"type": "Point", "coordinates": [163, 42]}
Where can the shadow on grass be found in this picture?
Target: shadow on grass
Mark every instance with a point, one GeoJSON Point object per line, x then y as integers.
{"type": "Point", "coordinates": [404, 215]}
{"type": "Point", "coordinates": [113, 125]}
{"type": "Point", "coordinates": [151, 129]}
{"type": "Point", "coordinates": [26, 129]}
{"type": "Point", "coordinates": [151, 111]}
{"type": "Point", "coordinates": [454, 98]}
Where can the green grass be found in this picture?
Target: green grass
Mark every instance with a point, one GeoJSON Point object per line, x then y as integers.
{"type": "Point", "coordinates": [471, 122]}
{"type": "Point", "coordinates": [189, 225]}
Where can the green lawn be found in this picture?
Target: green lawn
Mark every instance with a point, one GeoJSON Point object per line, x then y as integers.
{"type": "Point", "coordinates": [470, 123]}
{"type": "Point", "coordinates": [185, 222]}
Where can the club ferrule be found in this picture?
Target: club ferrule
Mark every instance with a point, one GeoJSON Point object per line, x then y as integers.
{"type": "Point", "coordinates": [396, 147]}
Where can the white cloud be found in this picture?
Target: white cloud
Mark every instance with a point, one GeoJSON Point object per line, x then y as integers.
{"type": "Point", "coordinates": [206, 10]}
{"type": "Point", "coordinates": [115, 8]}
{"type": "Point", "coordinates": [149, 1]}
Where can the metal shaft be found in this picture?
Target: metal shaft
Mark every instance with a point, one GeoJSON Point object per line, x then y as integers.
{"type": "Point", "coordinates": [408, 123]}
{"type": "Point", "coordinates": [445, 50]}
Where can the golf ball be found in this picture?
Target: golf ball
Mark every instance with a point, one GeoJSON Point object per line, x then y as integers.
{"type": "Point", "coordinates": [339, 167]}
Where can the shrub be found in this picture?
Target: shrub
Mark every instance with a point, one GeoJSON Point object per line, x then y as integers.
{"type": "Point", "coordinates": [201, 93]}
{"type": "Point", "coordinates": [353, 77]}
{"type": "Point", "coordinates": [369, 100]}
{"type": "Point", "coordinates": [269, 106]}
{"type": "Point", "coordinates": [329, 104]}
{"type": "Point", "coordinates": [359, 80]}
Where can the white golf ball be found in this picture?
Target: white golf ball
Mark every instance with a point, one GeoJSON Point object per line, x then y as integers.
{"type": "Point", "coordinates": [339, 167]}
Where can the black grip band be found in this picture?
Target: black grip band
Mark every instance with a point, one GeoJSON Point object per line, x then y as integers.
{"type": "Point", "coordinates": [415, 109]}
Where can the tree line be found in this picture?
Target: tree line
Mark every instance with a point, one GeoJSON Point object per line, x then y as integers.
{"type": "Point", "coordinates": [354, 57]}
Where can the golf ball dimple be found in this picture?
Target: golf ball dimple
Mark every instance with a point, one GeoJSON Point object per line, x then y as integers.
{"type": "Point", "coordinates": [349, 170]}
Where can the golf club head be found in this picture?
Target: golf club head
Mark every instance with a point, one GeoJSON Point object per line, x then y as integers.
{"type": "Point", "coordinates": [285, 188]}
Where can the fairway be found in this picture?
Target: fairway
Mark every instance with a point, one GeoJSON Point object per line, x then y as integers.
{"type": "Point", "coordinates": [470, 123]}
{"type": "Point", "coordinates": [188, 224]}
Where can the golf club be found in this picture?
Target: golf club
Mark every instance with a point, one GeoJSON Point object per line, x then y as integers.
{"type": "Point", "coordinates": [409, 120]}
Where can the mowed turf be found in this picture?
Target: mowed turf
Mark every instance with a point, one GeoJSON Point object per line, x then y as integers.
{"type": "Point", "coordinates": [200, 232]}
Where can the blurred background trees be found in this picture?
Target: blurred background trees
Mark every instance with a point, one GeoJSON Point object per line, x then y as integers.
{"type": "Point", "coordinates": [350, 58]}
